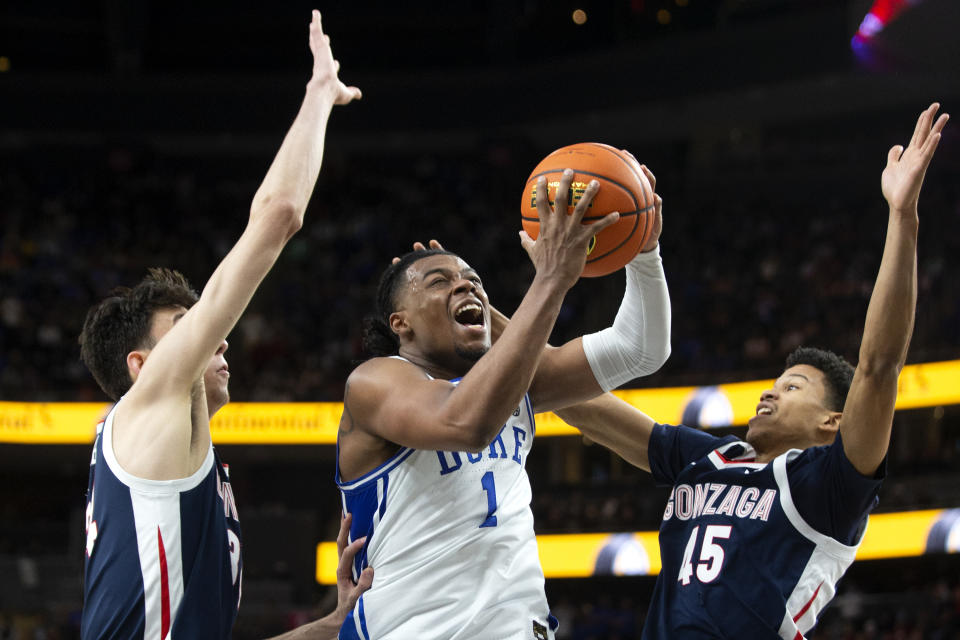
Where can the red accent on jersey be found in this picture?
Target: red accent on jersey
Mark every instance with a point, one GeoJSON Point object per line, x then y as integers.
{"type": "Point", "coordinates": [727, 460]}
{"type": "Point", "coordinates": [809, 602]}
{"type": "Point", "coordinates": [164, 589]}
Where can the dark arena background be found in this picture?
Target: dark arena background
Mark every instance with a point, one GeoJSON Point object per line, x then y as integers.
{"type": "Point", "coordinates": [134, 134]}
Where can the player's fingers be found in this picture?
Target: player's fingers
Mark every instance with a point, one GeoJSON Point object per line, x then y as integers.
{"type": "Point", "coordinates": [344, 534]}
{"type": "Point", "coordinates": [893, 156]}
{"type": "Point", "coordinates": [348, 95]}
{"type": "Point", "coordinates": [562, 198]}
{"type": "Point", "coordinates": [940, 123]}
{"type": "Point", "coordinates": [650, 177]}
{"type": "Point", "coordinates": [344, 567]}
{"type": "Point", "coordinates": [435, 244]}
{"type": "Point", "coordinates": [930, 145]}
{"type": "Point", "coordinates": [601, 224]}
{"type": "Point", "coordinates": [543, 198]}
{"type": "Point", "coordinates": [418, 246]}
{"type": "Point", "coordinates": [584, 203]}
{"type": "Point", "coordinates": [922, 130]}
{"type": "Point", "coordinates": [928, 148]}
{"type": "Point", "coordinates": [365, 581]}
{"type": "Point", "coordinates": [527, 243]}
{"type": "Point", "coordinates": [657, 204]}
{"type": "Point", "coordinates": [395, 260]}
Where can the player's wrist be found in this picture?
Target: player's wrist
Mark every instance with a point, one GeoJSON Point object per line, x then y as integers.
{"type": "Point", "coordinates": [325, 87]}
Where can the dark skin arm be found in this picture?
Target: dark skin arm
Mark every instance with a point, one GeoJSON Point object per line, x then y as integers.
{"type": "Point", "coordinates": [606, 419]}
{"type": "Point", "coordinates": [395, 401]}
{"type": "Point", "coordinates": [564, 376]}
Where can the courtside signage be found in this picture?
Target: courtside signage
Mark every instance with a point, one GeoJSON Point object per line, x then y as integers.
{"type": "Point", "coordinates": [921, 385]}
{"type": "Point", "coordinates": [581, 555]}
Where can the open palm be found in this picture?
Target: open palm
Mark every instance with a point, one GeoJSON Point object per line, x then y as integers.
{"type": "Point", "coordinates": [903, 176]}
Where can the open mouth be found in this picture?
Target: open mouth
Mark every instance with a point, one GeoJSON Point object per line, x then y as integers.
{"type": "Point", "coordinates": [764, 410]}
{"type": "Point", "coordinates": [470, 315]}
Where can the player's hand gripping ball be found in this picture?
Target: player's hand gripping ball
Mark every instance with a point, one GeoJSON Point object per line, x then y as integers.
{"type": "Point", "coordinates": [623, 188]}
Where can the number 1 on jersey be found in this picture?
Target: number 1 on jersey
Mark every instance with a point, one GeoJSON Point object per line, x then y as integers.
{"type": "Point", "coordinates": [487, 483]}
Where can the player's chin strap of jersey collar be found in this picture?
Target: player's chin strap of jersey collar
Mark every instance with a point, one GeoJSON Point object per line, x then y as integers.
{"type": "Point", "coordinates": [638, 343]}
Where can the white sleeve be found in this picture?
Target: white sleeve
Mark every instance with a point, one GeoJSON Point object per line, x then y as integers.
{"type": "Point", "coordinates": [638, 343]}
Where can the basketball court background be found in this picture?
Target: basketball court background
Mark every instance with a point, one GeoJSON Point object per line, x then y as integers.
{"type": "Point", "coordinates": [135, 134]}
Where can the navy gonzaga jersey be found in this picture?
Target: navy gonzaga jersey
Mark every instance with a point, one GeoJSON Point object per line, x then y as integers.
{"type": "Point", "coordinates": [751, 550]}
{"type": "Point", "coordinates": [163, 556]}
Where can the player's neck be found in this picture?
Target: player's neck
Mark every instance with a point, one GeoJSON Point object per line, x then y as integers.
{"type": "Point", "coordinates": [433, 366]}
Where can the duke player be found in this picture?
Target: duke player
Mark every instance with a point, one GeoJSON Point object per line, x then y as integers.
{"type": "Point", "coordinates": [756, 534]}
{"type": "Point", "coordinates": [163, 538]}
{"type": "Point", "coordinates": [433, 440]}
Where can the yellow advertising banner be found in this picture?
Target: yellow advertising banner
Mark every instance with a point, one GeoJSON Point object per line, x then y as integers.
{"type": "Point", "coordinates": [580, 555]}
{"type": "Point", "coordinates": [921, 385]}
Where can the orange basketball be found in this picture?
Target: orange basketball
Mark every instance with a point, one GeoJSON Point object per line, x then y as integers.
{"type": "Point", "coordinates": [623, 188]}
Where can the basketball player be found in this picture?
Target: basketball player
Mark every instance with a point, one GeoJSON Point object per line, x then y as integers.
{"type": "Point", "coordinates": [163, 538]}
{"type": "Point", "coordinates": [434, 436]}
{"type": "Point", "coordinates": [756, 534]}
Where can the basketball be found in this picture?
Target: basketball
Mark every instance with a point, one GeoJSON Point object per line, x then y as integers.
{"type": "Point", "coordinates": [623, 188]}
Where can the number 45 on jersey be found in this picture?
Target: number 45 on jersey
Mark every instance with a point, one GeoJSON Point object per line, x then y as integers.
{"type": "Point", "coordinates": [711, 557]}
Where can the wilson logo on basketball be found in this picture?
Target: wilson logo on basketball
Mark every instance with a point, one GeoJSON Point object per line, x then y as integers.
{"type": "Point", "coordinates": [574, 193]}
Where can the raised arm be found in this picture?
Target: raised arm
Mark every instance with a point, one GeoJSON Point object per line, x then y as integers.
{"type": "Point", "coordinates": [868, 412]}
{"type": "Point", "coordinates": [636, 344]}
{"type": "Point", "coordinates": [391, 399]}
{"type": "Point", "coordinates": [153, 421]}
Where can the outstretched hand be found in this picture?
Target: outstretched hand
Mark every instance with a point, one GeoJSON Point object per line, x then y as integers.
{"type": "Point", "coordinates": [347, 592]}
{"type": "Point", "coordinates": [654, 239]}
{"type": "Point", "coordinates": [418, 246]}
{"type": "Point", "coordinates": [560, 249]}
{"type": "Point", "coordinates": [325, 68]}
{"type": "Point", "coordinates": [903, 176]}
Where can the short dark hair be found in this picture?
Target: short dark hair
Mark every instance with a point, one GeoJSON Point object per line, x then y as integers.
{"type": "Point", "coordinates": [837, 372]}
{"type": "Point", "coordinates": [121, 323]}
{"type": "Point", "coordinates": [378, 338]}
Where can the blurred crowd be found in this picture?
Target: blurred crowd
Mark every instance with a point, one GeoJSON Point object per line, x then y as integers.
{"type": "Point", "coordinates": [766, 246]}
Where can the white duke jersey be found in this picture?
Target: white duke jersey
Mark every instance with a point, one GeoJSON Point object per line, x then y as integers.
{"type": "Point", "coordinates": [162, 556]}
{"type": "Point", "coordinates": [751, 550]}
{"type": "Point", "coordinates": [450, 537]}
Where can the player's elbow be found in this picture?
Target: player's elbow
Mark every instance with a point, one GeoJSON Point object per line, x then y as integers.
{"type": "Point", "coordinates": [475, 441]}
{"type": "Point", "coordinates": [658, 358]}
{"type": "Point", "coordinates": [879, 367]}
{"type": "Point", "coordinates": [278, 213]}
{"type": "Point", "coordinates": [467, 436]}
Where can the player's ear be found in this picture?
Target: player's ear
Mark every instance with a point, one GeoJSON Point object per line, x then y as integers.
{"type": "Point", "coordinates": [135, 360]}
{"type": "Point", "coordinates": [398, 323]}
{"type": "Point", "coordinates": [831, 422]}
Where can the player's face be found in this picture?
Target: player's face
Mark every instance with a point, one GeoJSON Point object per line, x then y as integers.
{"type": "Point", "coordinates": [446, 312]}
{"type": "Point", "coordinates": [792, 414]}
{"type": "Point", "coordinates": [216, 376]}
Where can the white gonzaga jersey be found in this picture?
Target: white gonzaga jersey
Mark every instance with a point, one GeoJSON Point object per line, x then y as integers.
{"type": "Point", "coordinates": [450, 536]}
